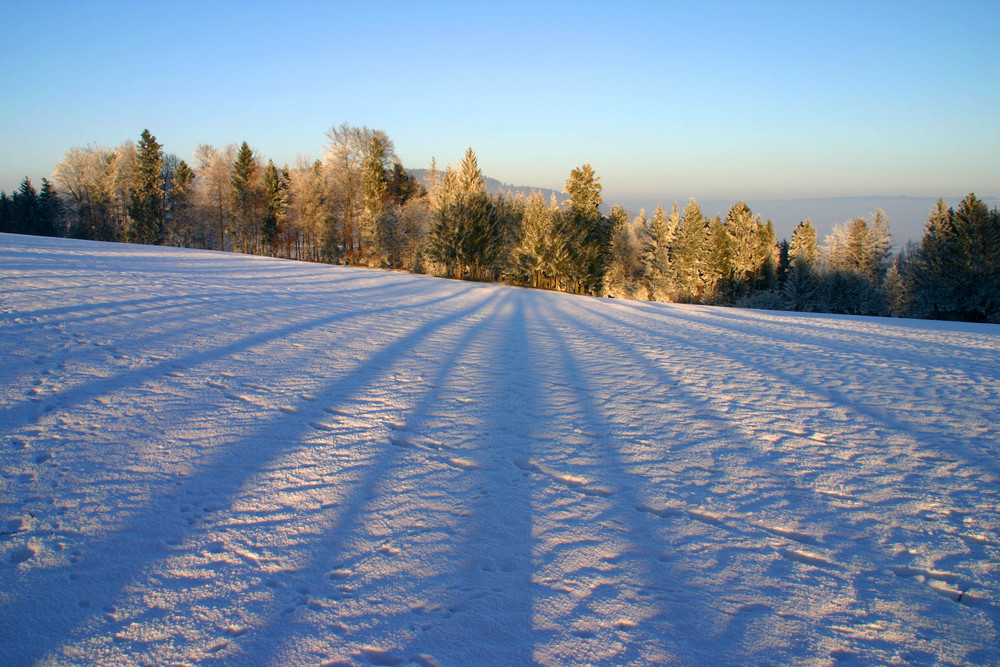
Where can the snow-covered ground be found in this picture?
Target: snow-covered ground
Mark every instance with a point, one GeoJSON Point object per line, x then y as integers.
{"type": "Point", "coordinates": [218, 459]}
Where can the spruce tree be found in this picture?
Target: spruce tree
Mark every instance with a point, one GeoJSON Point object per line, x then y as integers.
{"type": "Point", "coordinates": [274, 208]}
{"type": "Point", "coordinates": [6, 213]}
{"type": "Point", "coordinates": [587, 232]}
{"type": "Point", "coordinates": [146, 209]}
{"type": "Point", "coordinates": [374, 188]}
{"type": "Point", "coordinates": [25, 208]}
{"type": "Point", "coordinates": [182, 223]}
{"type": "Point", "coordinates": [956, 271]}
{"type": "Point", "coordinates": [49, 218]}
{"type": "Point", "coordinates": [245, 198]}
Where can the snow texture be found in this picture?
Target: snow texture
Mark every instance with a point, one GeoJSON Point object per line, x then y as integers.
{"type": "Point", "coordinates": [219, 459]}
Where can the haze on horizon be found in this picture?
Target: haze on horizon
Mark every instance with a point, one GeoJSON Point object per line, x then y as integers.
{"type": "Point", "coordinates": [717, 100]}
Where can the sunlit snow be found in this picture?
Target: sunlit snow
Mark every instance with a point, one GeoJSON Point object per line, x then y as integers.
{"type": "Point", "coordinates": [219, 459]}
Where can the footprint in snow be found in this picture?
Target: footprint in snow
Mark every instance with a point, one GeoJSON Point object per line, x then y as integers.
{"type": "Point", "coordinates": [945, 584]}
{"type": "Point", "coordinates": [377, 656]}
{"type": "Point", "coordinates": [662, 512]}
{"type": "Point", "coordinates": [21, 555]}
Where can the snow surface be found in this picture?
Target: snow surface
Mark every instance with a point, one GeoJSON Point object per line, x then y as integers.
{"type": "Point", "coordinates": [219, 459]}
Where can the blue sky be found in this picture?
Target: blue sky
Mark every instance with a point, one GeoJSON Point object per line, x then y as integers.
{"type": "Point", "coordinates": [716, 100]}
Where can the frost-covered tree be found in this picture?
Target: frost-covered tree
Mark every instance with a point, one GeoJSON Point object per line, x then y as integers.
{"type": "Point", "coordinates": [854, 261]}
{"type": "Point", "coordinates": [689, 253]}
{"type": "Point", "coordinates": [214, 188]}
{"type": "Point", "coordinates": [82, 176]}
{"type": "Point", "coordinates": [658, 265]}
{"type": "Point", "coordinates": [720, 262]}
{"type": "Point", "coordinates": [625, 268]}
{"type": "Point", "coordinates": [344, 159]}
{"type": "Point", "coordinates": [804, 248]}
{"type": "Point", "coordinates": [472, 232]}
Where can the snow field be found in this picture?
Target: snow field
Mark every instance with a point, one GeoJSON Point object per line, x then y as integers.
{"type": "Point", "coordinates": [219, 459]}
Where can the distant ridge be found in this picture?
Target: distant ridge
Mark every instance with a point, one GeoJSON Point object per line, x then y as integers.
{"type": "Point", "coordinates": [493, 185]}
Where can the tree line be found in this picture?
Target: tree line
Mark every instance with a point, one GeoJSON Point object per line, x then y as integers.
{"type": "Point", "coordinates": [358, 205]}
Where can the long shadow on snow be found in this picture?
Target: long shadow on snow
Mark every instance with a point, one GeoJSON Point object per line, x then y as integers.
{"type": "Point", "coordinates": [84, 393]}
{"type": "Point", "coordinates": [875, 587]}
{"type": "Point", "coordinates": [29, 608]}
{"type": "Point", "coordinates": [735, 640]}
{"type": "Point", "coordinates": [983, 456]}
{"type": "Point", "coordinates": [470, 610]}
{"type": "Point", "coordinates": [680, 616]}
{"type": "Point", "coordinates": [821, 333]}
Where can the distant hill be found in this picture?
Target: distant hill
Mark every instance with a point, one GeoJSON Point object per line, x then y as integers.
{"type": "Point", "coordinates": [493, 185]}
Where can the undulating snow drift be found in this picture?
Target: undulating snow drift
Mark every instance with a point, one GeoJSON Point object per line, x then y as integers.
{"type": "Point", "coordinates": [218, 459]}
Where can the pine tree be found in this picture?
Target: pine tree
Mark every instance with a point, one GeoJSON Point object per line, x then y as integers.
{"type": "Point", "coordinates": [146, 208]}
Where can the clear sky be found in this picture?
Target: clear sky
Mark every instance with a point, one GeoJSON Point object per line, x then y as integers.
{"type": "Point", "coordinates": [667, 100]}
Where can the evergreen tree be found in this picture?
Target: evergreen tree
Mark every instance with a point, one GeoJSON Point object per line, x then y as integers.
{"type": "Point", "coordinates": [275, 201]}
{"type": "Point", "coordinates": [6, 213]}
{"type": "Point", "coordinates": [720, 264]}
{"type": "Point", "coordinates": [374, 189]}
{"type": "Point", "coordinates": [245, 198]}
{"type": "Point", "coordinates": [49, 218]}
{"type": "Point", "coordinates": [586, 232]}
{"type": "Point", "coordinates": [957, 268]}
{"type": "Point", "coordinates": [25, 208]}
{"type": "Point", "coordinates": [401, 187]}
{"type": "Point", "coordinates": [768, 258]}
{"type": "Point", "coordinates": [146, 209]}
{"type": "Point", "coordinates": [183, 224]}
